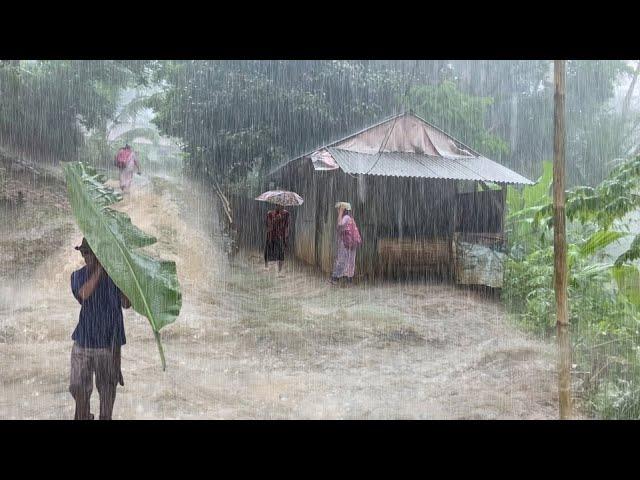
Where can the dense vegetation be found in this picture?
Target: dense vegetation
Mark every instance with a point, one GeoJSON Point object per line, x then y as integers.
{"type": "Point", "coordinates": [604, 288]}
{"type": "Point", "coordinates": [248, 116]}
{"type": "Point", "coordinates": [235, 117]}
{"type": "Point", "coordinates": [240, 118]}
{"type": "Point", "coordinates": [48, 109]}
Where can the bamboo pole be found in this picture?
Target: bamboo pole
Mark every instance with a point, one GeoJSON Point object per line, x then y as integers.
{"type": "Point", "coordinates": [560, 244]}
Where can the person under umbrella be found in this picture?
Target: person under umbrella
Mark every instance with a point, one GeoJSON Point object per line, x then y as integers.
{"type": "Point", "coordinates": [277, 236]}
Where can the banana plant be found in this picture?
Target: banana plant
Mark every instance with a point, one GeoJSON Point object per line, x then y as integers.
{"type": "Point", "coordinates": [600, 240]}
{"type": "Point", "coordinates": [150, 284]}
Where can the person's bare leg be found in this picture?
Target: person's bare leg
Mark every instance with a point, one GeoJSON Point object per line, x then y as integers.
{"type": "Point", "coordinates": [280, 262]}
{"type": "Point", "coordinates": [81, 383]}
{"type": "Point", "coordinates": [83, 406]}
{"type": "Point", "coordinates": [107, 375]}
{"type": "Point", "coordinates": [107, 399]}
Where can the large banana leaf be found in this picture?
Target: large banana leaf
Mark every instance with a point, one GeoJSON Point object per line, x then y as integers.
{"type": "Point", "coordinates": [600, 240]}
{"type": "Point", "coordinates": [150, 284]}
{"type": "Point", "coordinates": [628, 279]}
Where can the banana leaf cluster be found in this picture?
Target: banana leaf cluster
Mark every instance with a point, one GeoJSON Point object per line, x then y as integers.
{"type": "Point", "coordinates": [150, 284]}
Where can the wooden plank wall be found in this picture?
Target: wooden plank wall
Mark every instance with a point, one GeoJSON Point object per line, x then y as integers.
{"type": "Point", "coordinates": [481, 212]}
{"type": "Point", "coordinates": [305, 225]}
{"type": "Point", "coordinates": [383, 207]}
{"type": "Point", "coordinates": [326, 218]}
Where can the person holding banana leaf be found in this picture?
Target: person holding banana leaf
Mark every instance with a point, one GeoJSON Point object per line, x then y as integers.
{"type": "Point", "coordinates": [150, 285]}
{"type": "Point", "coordinates": [97, 338]}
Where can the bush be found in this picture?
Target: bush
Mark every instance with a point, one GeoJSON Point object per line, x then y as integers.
{"type": "Point", "coordinates": [603, 298]}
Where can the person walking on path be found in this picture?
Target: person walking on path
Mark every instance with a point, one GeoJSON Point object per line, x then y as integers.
{"type": "Point", "coordinates": [97, 338]}
{"type": "Point", "coordinates": [126, 161]}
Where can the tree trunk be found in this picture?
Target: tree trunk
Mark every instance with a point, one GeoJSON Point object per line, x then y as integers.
{"type": "Point", "coordinates": [627, 98]}
{"type": "Point", "coordinates": [560, 244]}
{"type": "Point", "coordinates": [513, 122]}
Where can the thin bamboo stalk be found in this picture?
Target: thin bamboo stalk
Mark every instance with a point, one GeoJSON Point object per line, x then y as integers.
{"type": "Point", "coordinates": [560, 244]}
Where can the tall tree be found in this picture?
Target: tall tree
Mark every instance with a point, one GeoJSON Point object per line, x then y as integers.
{"type": "Point", "coordinates": [46, 105]}
{"type": "Point", "coordinates": [458, 113]}
{"type": "Point", "coordinates": [235, 116]}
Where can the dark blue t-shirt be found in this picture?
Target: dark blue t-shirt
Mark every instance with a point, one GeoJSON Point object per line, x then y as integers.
{"type": "Point", "coordinates": [101, 323]}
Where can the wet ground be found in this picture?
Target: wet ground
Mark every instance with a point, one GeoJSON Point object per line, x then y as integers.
{"type": "Point", "coordinates": [252, 345]}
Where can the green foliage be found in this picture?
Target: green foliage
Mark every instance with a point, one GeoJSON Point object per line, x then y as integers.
{"type": "Point", "coordinates": [611, 200]}
{"type": "Point", "coordinates": [248, 116]}
{"type": "Point", "coordinates": [139, 132]}
{"type": "Point", "coordinates": [604, 299]}
{"type": "Point", "coordinates": [151, 285]}
{"type": "Point", "coordinates": [501, 108]}
{"type": "Point", "coordinates": [523, 206]}
{"type": "Point", "coordinates": [598, 241]}
{"type": "Point", "coordinates": [529, 270]}
{"type": "Point", "coordinates": [632, 253]}
{"type": "Point", "coordinates": [540, 193]}
{"type": "Point", "coordinates": [628, 279]}
{"type": "Point", "coordinates": [46, 105]}
{"type": "Point", "coordinates": [595, 129]}
{"type": "Point", "coordinates": [522, 112]}
{"type": "Point", "coordinates": [457, 113]}
{"type": "Point", "coordinates": [131, 109]}
{"type": "Point", "coordinates": [619, 399]}
{"type": "Point", "coordinates": [528, 289]}
{"type": "Point", "coordinates": [599, 208]}
{"type": "Point", "coordinates": [234, 117]}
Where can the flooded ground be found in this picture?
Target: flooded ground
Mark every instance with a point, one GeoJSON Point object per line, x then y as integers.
{"type": "Point", "coordinates": [251, 345]}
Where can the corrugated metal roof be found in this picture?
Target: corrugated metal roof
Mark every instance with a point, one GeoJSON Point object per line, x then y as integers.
{"type": "Point", "coordinates": [397, 164]}
{"type": "Point", "coordinates": [341, 139]}
{"type": "Point", "coordinates": [447, 165]}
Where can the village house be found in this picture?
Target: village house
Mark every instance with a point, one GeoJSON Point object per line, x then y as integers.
{"type": "Point", "coordinates": [424, 202]}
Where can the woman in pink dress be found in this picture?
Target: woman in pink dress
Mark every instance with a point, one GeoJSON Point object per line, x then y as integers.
{"type": "Point", "coordinates": [127, 162]}
{"type": "Point", "coordinates": [345, 262]}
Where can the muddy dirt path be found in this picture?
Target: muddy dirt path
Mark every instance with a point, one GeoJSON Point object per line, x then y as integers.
{"type": "Point", "coordinates": [250, 345]}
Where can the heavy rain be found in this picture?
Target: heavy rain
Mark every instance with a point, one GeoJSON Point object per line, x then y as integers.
{"type": "Point", "coordinates": [319, 239]}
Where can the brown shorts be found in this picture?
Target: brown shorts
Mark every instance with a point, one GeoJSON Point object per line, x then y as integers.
{"type": "Point", "coordinates": [104, 362]}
